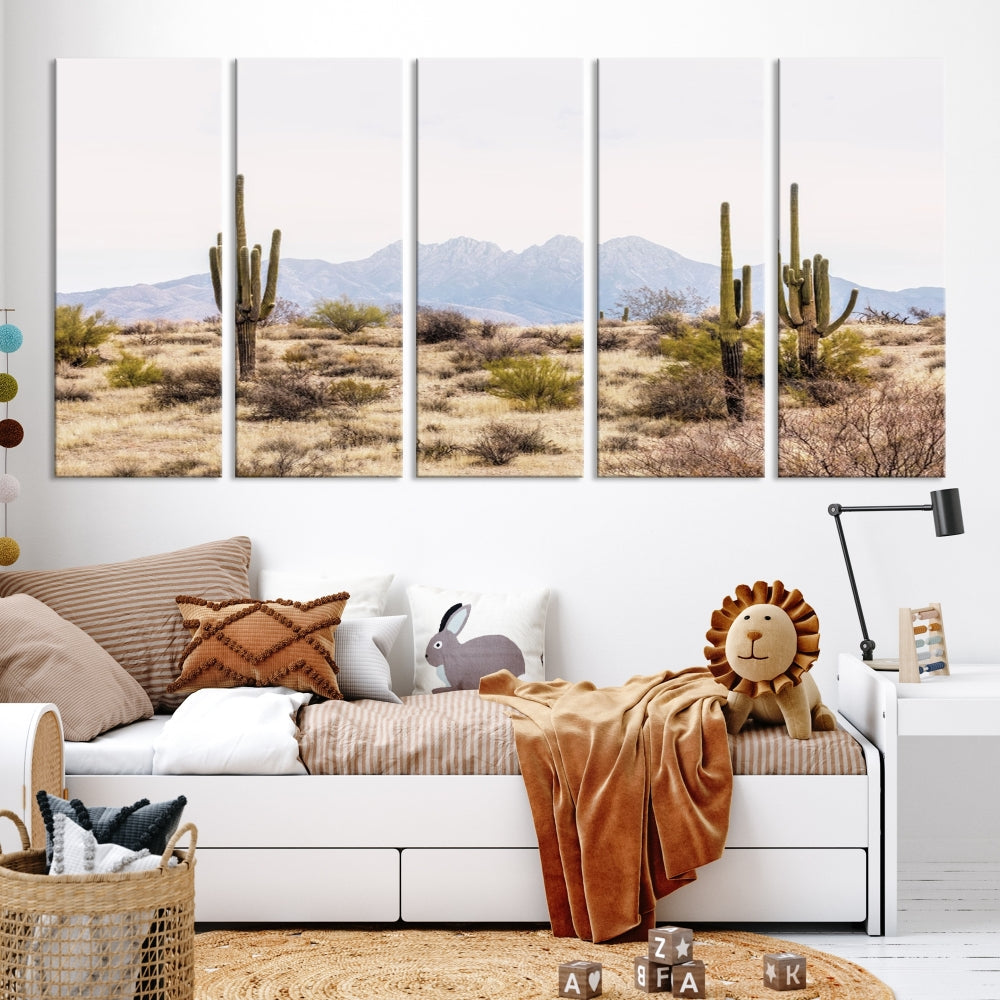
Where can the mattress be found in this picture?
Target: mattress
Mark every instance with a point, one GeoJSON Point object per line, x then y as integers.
{"type": "Point", "coordinates": [456, 732]}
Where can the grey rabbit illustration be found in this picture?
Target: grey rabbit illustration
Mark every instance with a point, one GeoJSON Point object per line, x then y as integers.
{"type": "Point", "coordinates": [462, 664]}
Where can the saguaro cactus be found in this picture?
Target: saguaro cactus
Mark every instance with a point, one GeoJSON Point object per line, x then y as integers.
{"type": "Point", "coordinates": [252, 304]}
{"type": "Point", "coordinates": [734, 314]}
{"type": "Point", "coordinates": [807, 310]}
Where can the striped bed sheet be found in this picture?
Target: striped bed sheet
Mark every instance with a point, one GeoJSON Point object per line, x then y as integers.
{"type": "Point", "coordinates": [457, 732]}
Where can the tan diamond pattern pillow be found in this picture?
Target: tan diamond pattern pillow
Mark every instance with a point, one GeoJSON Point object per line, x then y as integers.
{"type": "Point", "coordinates": [247, 643]}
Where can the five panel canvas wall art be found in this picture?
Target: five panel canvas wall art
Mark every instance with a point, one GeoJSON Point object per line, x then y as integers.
{"type": "Point", "coordinates": [468, 234]}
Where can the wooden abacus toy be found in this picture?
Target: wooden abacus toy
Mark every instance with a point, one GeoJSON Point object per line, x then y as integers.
{"type": "Point", "coordinates": [923, 651]}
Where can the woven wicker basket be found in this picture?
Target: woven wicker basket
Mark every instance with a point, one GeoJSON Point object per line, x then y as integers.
{"type": "Point", "coordinates": [96, 937]}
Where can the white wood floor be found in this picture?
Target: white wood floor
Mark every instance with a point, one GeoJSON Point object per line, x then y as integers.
{"type": "Point", "coordinates": [948, 943]}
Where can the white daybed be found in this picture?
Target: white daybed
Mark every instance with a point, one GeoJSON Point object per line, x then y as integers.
{"type": "Point", "coordinates": [421, 848]}
{"type": "Point", "coordinates": [462, 848]}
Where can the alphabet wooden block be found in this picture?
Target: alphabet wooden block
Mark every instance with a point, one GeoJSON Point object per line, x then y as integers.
{"type": "Point", "coordinates": [784, 970]}
{"type": "Point", "coordinates": [650, 976]}
{"type": "Point", "coordinates": [689, 980]}
{"type": "Point", "coordinates": [671, 945]}
{"type": "Point", "coordinates": [581, 980]}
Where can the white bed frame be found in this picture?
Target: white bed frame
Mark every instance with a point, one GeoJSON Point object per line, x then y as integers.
{"type": "Point", "coordinates": [339, 848]}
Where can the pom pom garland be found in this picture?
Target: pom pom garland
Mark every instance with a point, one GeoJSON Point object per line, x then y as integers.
{"type": "Point", "coordinates": [10, 488]}
{"type": "Point", "coordinates": [9, 551]}
{"type": "Point", "coordinates": [11, 433]}
{"type": "Point", "coordinates": [11, 338]}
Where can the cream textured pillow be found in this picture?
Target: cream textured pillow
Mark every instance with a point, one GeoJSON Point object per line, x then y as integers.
{"type": "Point", "coordinates": [462, 635]}
{"type": "Point", "coordinates": [368, 593]}
{"type": "Point", "coordinates": [48, 659]}
{"type": "Point", "coordinates": [246, 643]}
{"type": "Point", "coordinates": [130, 607]}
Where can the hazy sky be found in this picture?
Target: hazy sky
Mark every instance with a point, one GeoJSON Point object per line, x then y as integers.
{"type": "Point", "coordinates": [320, 144]}
{"type": "Point", "coordinates": [138, 169]}
{"type": "Point", "coordinates": [677, 137]}
{"type": "Point", "coordinates": [864, 140]}
{"type": "Point", "coordinates": [500, 150]}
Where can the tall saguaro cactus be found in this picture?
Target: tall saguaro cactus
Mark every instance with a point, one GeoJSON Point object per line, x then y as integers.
{"type": "Point", "coordinates": [252, 303]}
{"type": "Point", "coordinates": [734, 314]}
{"type": "Point", "coordinates": [807, 310]}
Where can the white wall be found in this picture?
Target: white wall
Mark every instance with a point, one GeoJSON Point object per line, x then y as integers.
{"type": "Point", "coordinates": [636, 567]}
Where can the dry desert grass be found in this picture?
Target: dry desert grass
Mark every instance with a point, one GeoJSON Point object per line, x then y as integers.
{"type": "Point", "coordinates": [147, 430]}
{"type": "Point", "coordinates": [890, 422]}
{"type": "Point", "coordinates": [651, 424]}
{"type": "Point", "coordinates": [322, 403]}
{"type": "Point", "coordinates": [468, 425]}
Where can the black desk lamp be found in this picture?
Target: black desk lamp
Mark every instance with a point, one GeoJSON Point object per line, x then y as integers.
{"type": "Point", "coordinates": [947, 509]}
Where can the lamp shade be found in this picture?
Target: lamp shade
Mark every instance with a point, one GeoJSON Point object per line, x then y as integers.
{"type": "Point", "coordinates": [946, 506]}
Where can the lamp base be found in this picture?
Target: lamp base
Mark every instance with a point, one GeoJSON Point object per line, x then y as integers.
{"type": "Point", "coordinates": [883, 664]}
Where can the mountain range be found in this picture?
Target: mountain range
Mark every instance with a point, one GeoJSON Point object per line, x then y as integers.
{"type": "Point", "coordinates": [542, 284]}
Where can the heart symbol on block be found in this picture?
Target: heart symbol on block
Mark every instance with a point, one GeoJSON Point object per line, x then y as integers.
{"type": "Point", "coordinates": [594, 979]}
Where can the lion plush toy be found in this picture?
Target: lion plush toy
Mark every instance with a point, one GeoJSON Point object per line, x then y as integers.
{"type": "Point", "coordinates": [763, 643]}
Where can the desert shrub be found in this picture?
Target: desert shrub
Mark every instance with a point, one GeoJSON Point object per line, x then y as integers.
{"type": "Point", "coordinates": [645, 303]}
{"type": "Point", "coordinates": [284, 394]}
{"type": "Point", "coordinates": [499, 443]}
{"type": "Point", "coordinates": [435, 326]}
{"type": "Point", "coordinates": [478, 348]}
{"type": "Point", "coordinates": [367, 365]}
{"type": "Point", "coordinates": [886, 431]}
{"type": "Point", "coordinates": [842, 356]}
{"type": "Point", "coordinates": [131, 371]}
{"type": "Point", "coordinates": [438, 450]}
{"type": "Point", "coordinates": [682, 392]}
{"type": "Point", "coordinates": [353, 392]}
{"type": "Point", "coordinates": [344, 315]}
{"type": "Point", "coordinates": [78, 337]}
{"type": "Point", "coordinates": [534, 383]}
{"type": "Point", "coordinates": [280, 457]}
{"type": "Point", "coordinates": [145, 331]}
{"type": "Point", "coordinates": [68, 392]}
{"type": "Point", "coordinates": [285, 313]}
{"type": "Point", "coordinates": [200, 383]}
{"type": "Point", "coordinates": [716, 449]}
{"type": "Point", "coordinates": [610, 338]}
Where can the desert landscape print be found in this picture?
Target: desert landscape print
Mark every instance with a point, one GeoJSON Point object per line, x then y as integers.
{"type": "Point", "coordinates": [137, 345]}
{"type": "Point", "coordinates": [680, 336]}
{"type": "Point", "coordinates": [499, 325]}
{"type": "Point", "coordinates": [861, 294]}
{"type": "Point", "coordinates": [319, 328]}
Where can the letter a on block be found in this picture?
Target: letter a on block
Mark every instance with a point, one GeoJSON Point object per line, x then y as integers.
{"type": "Point", "coordinates": [572, 986]}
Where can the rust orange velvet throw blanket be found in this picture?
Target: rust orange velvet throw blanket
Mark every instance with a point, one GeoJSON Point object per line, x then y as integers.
{"type": "Point", "coordinates": [629, 788]}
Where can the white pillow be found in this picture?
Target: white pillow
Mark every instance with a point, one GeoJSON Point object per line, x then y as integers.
{"type": "Point", "coordinates": [484, 633]}
{"type": "Point", "coordinates": [362, 650]}
{"type": "Point", "coordinates": [367, 592]}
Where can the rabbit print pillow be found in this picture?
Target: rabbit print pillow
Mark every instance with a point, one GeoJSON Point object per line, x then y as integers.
{"type": "Point", "coordinates": [460, 636]}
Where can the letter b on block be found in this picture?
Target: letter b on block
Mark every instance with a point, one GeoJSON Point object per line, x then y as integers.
{"type": "Point", "coordinates": [581, 980]}
{"type": "Point", "coordinates": [784, 970]}
{"type": "Point", "coordinates": [650, 976]}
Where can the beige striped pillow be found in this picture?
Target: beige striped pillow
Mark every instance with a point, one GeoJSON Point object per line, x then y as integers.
{"type": "Point", "coordinates": [130, 607]}
{"type": "Point", "coordinates": [48, 659]}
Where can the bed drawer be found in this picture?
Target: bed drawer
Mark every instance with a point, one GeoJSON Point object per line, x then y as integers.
{"type": "Point", "coordinates": [492, 885]}
{"type": "Point", "coordinates": [815, 885]}
{"type": "Point", "coordinates": [277, 885]}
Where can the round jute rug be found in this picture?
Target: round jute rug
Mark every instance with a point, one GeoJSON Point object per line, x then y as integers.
{"type": "Point", "coordinates": [403, 964]}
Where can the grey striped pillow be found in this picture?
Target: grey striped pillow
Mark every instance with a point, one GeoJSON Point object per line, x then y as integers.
{"type": "Point", "coordinates": [130, 607]}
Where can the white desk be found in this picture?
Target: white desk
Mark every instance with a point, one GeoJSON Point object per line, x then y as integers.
{"type": "Point", "coordinates": [967, 703]}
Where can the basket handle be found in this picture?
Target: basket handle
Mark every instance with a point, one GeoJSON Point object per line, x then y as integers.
{"type": "Point", "coordinates": [21, 828]}
{"type": "Point", "coordinates": [172, 843]}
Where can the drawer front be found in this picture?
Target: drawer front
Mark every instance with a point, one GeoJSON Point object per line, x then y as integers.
{"type": "Point", "coordinates": [774, 885]}
{"type": "Point", "coordinates": [296, 885]}
{"type": "Point", "coordinates": [476, 884]}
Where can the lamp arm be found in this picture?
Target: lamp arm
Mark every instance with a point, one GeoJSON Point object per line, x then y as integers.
{"type": "Point", "coordinates": [835, 509]}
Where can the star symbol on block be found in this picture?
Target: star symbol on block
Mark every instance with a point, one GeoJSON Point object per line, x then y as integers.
{"type": "Point", "coordinates": [683, 948]}
{"type": "Point", "coordinates": [771, 972]}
